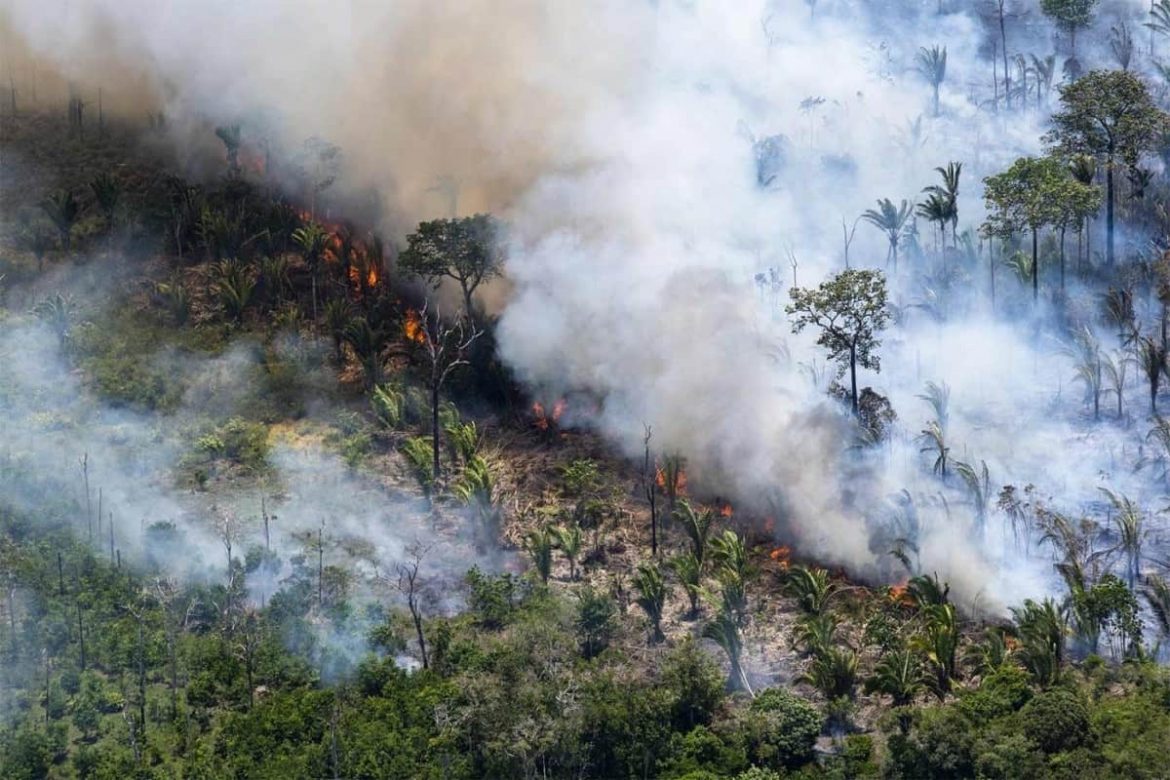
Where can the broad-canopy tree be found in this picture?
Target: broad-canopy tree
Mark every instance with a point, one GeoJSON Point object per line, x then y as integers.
{"type": "Point", "coordinates": [1028, 196]}
{"type": "Point", "coordinates": [466, 249]}
{"type": "Point", "coordinates": [1110, 115]}
{"type": "Point", "coordinates": [850, 310]}
{"type": "Point", "coordinates": [1069, 16]}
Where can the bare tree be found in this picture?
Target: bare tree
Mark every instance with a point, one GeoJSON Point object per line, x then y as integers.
{"type": "Point", "coordinates": [650, 488]}
{"type": "Point", "coordinates": [445, 347]}
{"type": "Point", "coordinates": [411, 586]}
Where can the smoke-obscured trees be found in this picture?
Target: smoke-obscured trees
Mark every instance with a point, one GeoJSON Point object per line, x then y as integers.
{"type": "Point", "coordinates": [850, 310]}
{"type": "Point", "coordinates": [1108, 114]}
{"type": "Point", "coordinates": [1035, 192]}
{"type": "Point", "coordinates": [891, 220]}
{"type": "Point", "coordinates": [1069, 16]}
{"type": "Point", "coordinates": [466, 250]}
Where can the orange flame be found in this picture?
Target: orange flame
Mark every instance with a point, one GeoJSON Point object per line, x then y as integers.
{"type": "Point", "coordinates": [781, 555]}
{"type": "Point", "coordinates": [726, 511]}
{"type": "Point", "coordinates": [680, 487]}
{"type": "Point", "coordinates": [898, 593]}
{"type": "Point", "coordinates": [544, 420]}
{"type": "Point", "coordinates": [412, 327]}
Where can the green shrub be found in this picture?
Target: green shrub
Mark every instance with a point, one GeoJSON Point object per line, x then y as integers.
{"type": "Point", "coordinates": [1001, 693]}
{"type": "Point", "coordinates": [1056, 720]}
{"type": "Point", "coordinates": [780, 729]}
{"type": "Point", "coordinates": [580, 478]}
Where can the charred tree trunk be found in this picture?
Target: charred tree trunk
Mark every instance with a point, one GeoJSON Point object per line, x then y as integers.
{"type": "Point", "coordinates": [1109, 195]}
{"type": "Point", "coordinates": [1035, 264]}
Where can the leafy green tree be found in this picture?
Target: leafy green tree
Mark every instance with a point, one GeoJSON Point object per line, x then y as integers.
{"type": "Point", "coordinates": [1069, 15]}
{"type": "Point", "coordinates": [850, 310]}
{"type": "Point", "coordinates": [1027, 196]}
{"type": "Point", "coordinates": [569, 541]}
{"type": "Point", "coordinates": [891, 220]}
{"type": "Point", "coordinates": [1056, 720]}
{"type": "Point", "coordinates": [1110, 115]}
{"type": "Point", "coordinates": [466, 249]}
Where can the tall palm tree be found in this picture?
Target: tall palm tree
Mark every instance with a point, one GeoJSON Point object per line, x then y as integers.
{"type": "Point", "coordinates": [938, 395]}
{"type": "Point", "coordinates": [1130, 523]}
{"type": "Point", "coordinates": [569, 540]}
{"type": "Point", "coordinates": [892, 220]}
{"type": "Point", "coordinates": [697, 525]}
{"type": "Point", "coordinates": [934, 440]}
{"type": "Point", "coordinates": [1045, 70]}
{"type": "Point", "coordinates": [932, 64]}
{"type": "Point", "coordinates": [1042, 629]}
{"type": "Point", "coordinates": [652, 591]}
{"type": "Point", "coordinates": [723, 630]}
{"type": "Point", "coordinates": [540, 546]}
{"type": "Point", "coordinates": [312, 240]}
{"type": "Point", "coordinates": [939, 644]}
{"type": "Point", "coordinates": [1151, 357]}
{"type": "Point", "coordinates": [1159, 20]}
{"type": "Point", "coordinates": [1115, 371]}
{"type": "Point", "coordinates": [949, 191]}
{"type": "Point", "coordinates": [1157, 594]}
{"type": "Point", "coordinates": [936, 209]}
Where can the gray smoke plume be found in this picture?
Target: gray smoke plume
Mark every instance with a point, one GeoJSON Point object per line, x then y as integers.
{"type": "Point", "coordinates": [623, 143]}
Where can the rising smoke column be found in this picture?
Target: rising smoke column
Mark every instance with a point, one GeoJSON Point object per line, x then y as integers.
{"type": "Point", "coordinates": [615, 137]}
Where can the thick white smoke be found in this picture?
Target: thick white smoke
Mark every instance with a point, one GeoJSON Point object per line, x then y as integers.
{"type": "Point", "coordinates": [617, 140]}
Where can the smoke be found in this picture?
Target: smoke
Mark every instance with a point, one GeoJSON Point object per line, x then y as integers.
{"type": "Point", "coordinates": [621, 141]}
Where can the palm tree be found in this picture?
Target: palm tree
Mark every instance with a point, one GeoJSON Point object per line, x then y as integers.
{"type": "Point", "coordinates": [234, 285]}
{"type": "Point", "coordinates": [932, 64]}
{"type": "Point", "coordinates": [949, 191]}
{"type": "Point", "coordinates": [892, 220]}
{"type": "Point", "coordinates": [1042, 629]}
{"type": "Point", "coordinates": [1044, 69]}
{"type": "Point", "coordinates": [939, 397]}
{"type": "Point", "coordinates": [1121, 43]}
{"type": "Point", "coordinates": [539, 544]}
{"type": "Point", "coordinates": [63, 209]}
{"type": "Point", "coordinates": [833, 672]}
{"type": "Point", "coordinates": [978, 483]}
{"type": "Point", "coordinates": [1151, 357]}
{"type": "Point", "coordinates": [897, 674]}
{"type": "Point", "coordinates": [724, 631]}
{"type": "Point", "coordinates": [1159, 20]}
{"type": "Point", "coordinates": [1157, 594]}
{"type": "Point", "coordinates": [106, 193]}
{"type": "Point", "coordinates": [936, 209]}
{"type": "Point", "coordinates": [312, 239]}
{"type": "Point", "coordinates": [651, 597]}
{"type": "Point", "coordinates": [811, 588]}
{"type": "Point", "coordinates": [569, 540]}
{"type": "Point", "coordinates": [696, 524]}
{"type": "Point", "coordinates": [1115, 371]}
{"type": "Point", "coordinates": [934, 440]}
{"type": "Point", "coordinates": [1089, 367]}
{"type": "Point", "coordinates": [939, 643]}
{"type": "Point", "coordinates": [813, 633]}
{"type": "Point", "coordinates": [690, 574]}
{"type": "Point", "coordinates": [1129, 520]}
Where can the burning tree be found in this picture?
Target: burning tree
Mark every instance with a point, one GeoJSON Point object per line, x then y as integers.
{"type": "Point", "coordinates": [466, 250]}
{"type": "Point", "coordinates": [850, 309]}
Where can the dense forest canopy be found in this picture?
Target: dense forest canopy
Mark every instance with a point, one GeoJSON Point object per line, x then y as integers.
{"type": "Point", "coordinates": [611, 389]}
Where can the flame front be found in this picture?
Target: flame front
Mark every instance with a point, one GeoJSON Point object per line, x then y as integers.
{"type": "Point", "coordinates": [412, 327]}
{"type": "Point", "coordinates": [782, 556]}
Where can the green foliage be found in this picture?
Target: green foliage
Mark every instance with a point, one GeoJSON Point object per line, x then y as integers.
{"type": "Point", "coordinates": [811, 588]}
{"type": "Point", "coordinates": [466, 250]}
{"type": "Point", "coordinates": [595, 622]}
{"type": "Point", "coordinates": [539, 544]}
{"type": "Point", "coordinates": [1069, 15]}
{"type": "Point", "coordinates": [696, 523]}
{"type": "Point", "coordinates": [1055, 720]}
{"type": "Point", "coordinates": [580, 478]}
{"type": "Point", "coordinates": [652, 591]}
{"type": "Point", "coordinates": [417, 451]}
{"type": "Point", "coordinates": [476, 488]}
{"type": "Point", "coordinates": [850, 311]}
{"type": "Point", "coordinates": [689, 571]}
{"type": "Point", "coordinates": [389, 405]}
